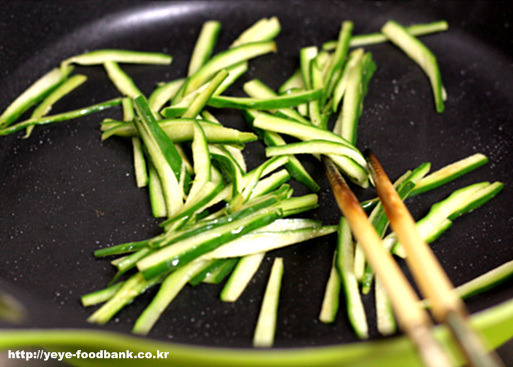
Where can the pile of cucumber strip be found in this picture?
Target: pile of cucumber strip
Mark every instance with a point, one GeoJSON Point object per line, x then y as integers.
{"type": "Point", "coordinates": [220, 218]}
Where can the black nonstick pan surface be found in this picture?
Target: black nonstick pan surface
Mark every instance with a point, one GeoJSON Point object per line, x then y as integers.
{"type": "Point", "coordinates": [65, 193]}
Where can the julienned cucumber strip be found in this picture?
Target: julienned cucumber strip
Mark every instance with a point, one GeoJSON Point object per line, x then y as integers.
{"type": "Point", "coordinates": [223, 60]}
{"type": "Point", "coordinates": [100, 296]}
{"type": "Point", "coordinates": [163, 155]}
{"type": "Point", "coordinates": [306, 56]}
{"type": "Point", "coordinates": [380, 220]}
{"type": "Point", "coordinates": [218, 274]}
{"type": "Point", "coordinates": [204, 45]}
{"type": "Point", "coordinates": [62, 90]}
{"type": "Point", "coordinates": [442, 176]}
{"type": "Point", "coordinates": [163, 94]}
{"type": "Point", "coordinates": [261, 241]}
{"type": "Point", "coordinates": [263, 30]}
{"type": "Point", "coordinates": [202, 164]}
{"type": "Point", "coordinates": [357, 80]}
{"type": "Point", "coordinates": [294, 167]}
{"type": "Point", "coordinates": [486, 281]}
{"type": "Point", "coordinates": [99, 57]}
{"type": "Point", "coordinates": [185, 251]}
{"type": "Point", "coordinates": [33, 94]}
{"type": "Point", "coordinates": [140, 167]}
{"type": "Point", "coordinates": [169, 288]}
{"type": "Point", "coordinates": [339, 89]}
{"type": "Point", "coordinates": [483, 282]}
{"type": "Point", "coordinates": [339, 56]}
{"type": "Point", "coordinates": [140, 171]}
{"type": "Point", "coordinates": [70, 115]}
{"type": "Point", "coordinates": [273, 103]}
{"type": "Point", "coordinates": [316, 82]}
{"type": "Point", "coordinates": [298, 130]}
{"type": "Point", "coordinates": [256, 89]}
{"type": "Point", "coordinates": [385, 319]}
{"type": "Point", "coordinates": [271, 183]}
{"type": "Point", "coordinates": [210, 266]}
{"type": "Point", "coordinates": [419, 53]}
{"type": "Point", "coordinates": [345, 265]}
{"type": "Point", "coordinates": [286, 224]}
{"type": "Point", "coordinates": [204, 96]}
{"type": "Point", "coordinates": [266, 324]}
{"type": "Point", "coordinates": [479, 198]}
{"type": "Point", "coordinates": [295, 81]}
{"type": "Point", "coordinates": [315, 146]}
{"type": "Point", "coordinates": [450, 173]}
{"type": "Point", "coordinates": [354, 168]}
{"type": "Point", "coordinates": [207, 224]}
{"type": "Point", "coordinates": [182, 130]}
{"type": "Point", "coordinates": [169, 150]}
{"type": "Point", "coordinates": [331, 300]}
{"type": "Point", "coordinates": [458, 203]}
{"type": "Point", "coordinates": [121, 80]}
{"type": "Point", "coordinates": [241, 276]}
{"type": "Point", "coordinates": [373, 38]}
{"type": "Point", "coordinates": [157, 200]}
{"type": "Point", "coordinates": [130, 289]}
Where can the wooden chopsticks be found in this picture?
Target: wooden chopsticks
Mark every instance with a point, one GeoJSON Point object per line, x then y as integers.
{"type": "Point", "coordinates": [412, 318]}
{"type": "Point", "coordinates": [429, 275]}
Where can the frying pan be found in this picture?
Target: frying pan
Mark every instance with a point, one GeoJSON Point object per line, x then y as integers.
{"type": "Point", "coordinates": [65, 193]}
